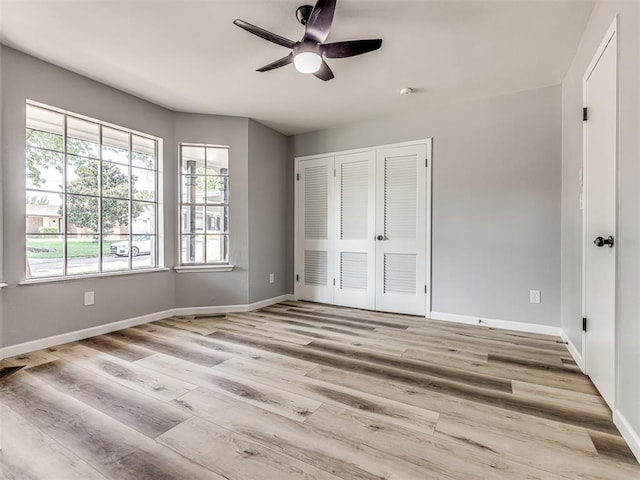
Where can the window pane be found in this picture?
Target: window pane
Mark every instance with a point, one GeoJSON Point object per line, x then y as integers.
{"type": "Point", "coordinates": [83, 137]}
{"type": "Point", "coordinates": [115, 253]}
{"type": "Point", "coordinates": [82, 254]}
{"type": "Point", "coordinates": [216, 220]}
{"type": "Point", "coordinates": [115, 180]}
{"type": "Point", "coordinates": [82, 214]}
{"type": "Point", "coordinates": [50, 141]}
{"type": "Point", "coordinates": [44, 212]}
{"type": "Point", "coordinates": [217, 189]}
{"type": "Point", "coordinates": [112, 154]}
{"type": "Point", "coordinates": [217, 248]}
{"type": "Point", "coordinates": [115, 216]}
{"type": "Point", "coordinates": [193, 189]}
{"type": "Point", "coordinates": [114, 137]}
{"type": "Point", "coordinates": [193, 160]}
{"type": "Point", "coordinates": [115, 145]}
{"type": "Point", "coordinates": [82, 175]}
{"type": "Point", "coordinates": [44, 255]}
{"type": "Point", "coordinates": [217, 161]}
{"type": "Point", "coordinates": [192, 249]}
{"type": "Point", "coordinates": [192, 218]}
{"type": "Point", "coordinates": [144, 152]}
{"type": "Point", "coordinates": [144, 251]}
{"type": "Point", "coordinates": [144, 184]}
{"type": "Point", "coordinates": [44, 169]}
{"type": "Point", "coordinates": [143, 214]}
{"type": "Point", "coordinates": [44, 120]}
{"type": "Point", "coordinates": [142, 160]}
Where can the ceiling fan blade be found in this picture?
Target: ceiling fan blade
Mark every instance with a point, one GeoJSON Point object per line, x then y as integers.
{"type": "Point", "coordinates": [277, 64]}
{"type": "Point", "coordinates": [350, 48]}
{"type": "Point", "coordinates": [262, 33]}
{"type": "Point", "coordinates": [320, 20]}
{"type": "Point", "coordinates": [325, 72]}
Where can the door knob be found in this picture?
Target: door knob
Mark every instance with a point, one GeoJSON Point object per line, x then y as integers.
{"type": "Point", "coordinates": [381, 237]}
{"type": "Point", "coordinates": [601, 242]}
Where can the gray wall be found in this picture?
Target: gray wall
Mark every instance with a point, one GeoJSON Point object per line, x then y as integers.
{"type": "Point", "coordinates": [37, 311]}
{"type": "Point", "coordinates": [220, 288]}
{"type": "Point", "coordinates": [42, 310]}
{"type": "Point", "coordinates": [268, 242]}
{"type": "Point", "coordinates": [628, 235]}
{"type": "Point", "coordinates": [496, 199]}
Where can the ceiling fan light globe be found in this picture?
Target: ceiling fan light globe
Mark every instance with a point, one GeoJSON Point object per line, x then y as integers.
{"type": "Point", "coordinates": [307, 62]}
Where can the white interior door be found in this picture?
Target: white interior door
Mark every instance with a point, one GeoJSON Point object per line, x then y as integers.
{"type": "Point", "coordinates": [401, 229]}
{"type": "Point", "coordinates": [354, 261]}
{"type": "Point", "coordinates": [600, 151]}
{"type": "Point", "coordinates": [315, 230]}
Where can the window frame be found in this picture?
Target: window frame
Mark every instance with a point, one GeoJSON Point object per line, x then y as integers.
{"type": "Point", "coordinates": [156, 227]}
{"type": "Point", "coordinates": [204, 266]}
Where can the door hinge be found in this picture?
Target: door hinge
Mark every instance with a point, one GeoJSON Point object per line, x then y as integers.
{"type": "Point", "coordinates": [297, 176]}
{"type": "Point", "coordinates": [297, 278]}
{"type": "Point", "coordinates": [426, 162]}
{"type": "Point", "coordinates": [584, 114]}
{"type": "Point", "coordinates": [584, 324]}
{"type": "Point", "coordinates": [334, 282]}
{"type": "Point", "coordinates": [334, 172]}
{"type": "Point", "coordinates": [425, 289]}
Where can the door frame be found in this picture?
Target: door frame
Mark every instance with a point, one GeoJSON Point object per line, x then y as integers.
{"type": "Point", "coordinates": [611, 32]}
{"type": "Point", "coordinates": [428, 194]}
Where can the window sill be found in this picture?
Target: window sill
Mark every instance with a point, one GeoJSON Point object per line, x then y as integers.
{"type": "Point", "coordinates": [35, 281]}
{"type": "Point", "coordinates": [204, 268]}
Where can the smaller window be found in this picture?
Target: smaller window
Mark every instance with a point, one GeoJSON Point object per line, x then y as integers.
{"type": "Point", "coordinates": [204, 204]}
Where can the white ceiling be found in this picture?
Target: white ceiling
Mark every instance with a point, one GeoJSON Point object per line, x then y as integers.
{"type": "Point", "coordinates": [188, 56]}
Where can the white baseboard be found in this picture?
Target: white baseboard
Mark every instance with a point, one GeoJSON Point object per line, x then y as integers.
{"type": "Point", "coordinates": [628, 433]}
{"type": "Point", "coordinates": [231, 308]}
{"type": "Point", "coordinates": [47, 342]}
{"type": "Point", "coordinates": [494, 323]}
{"type": "Point", "coordinates": [577, 356]}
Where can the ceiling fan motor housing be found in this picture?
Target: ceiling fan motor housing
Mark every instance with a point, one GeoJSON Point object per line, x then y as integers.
{"type": "Point", "coordinates": [307, 46]}
{"type": "Point", "coordinates": [303, 13]}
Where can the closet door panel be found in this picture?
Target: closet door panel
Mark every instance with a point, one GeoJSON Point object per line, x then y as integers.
{"type": "Point", "coordinates": [354, 244]}
{"type": "Point", "coordinates": [314, 250]}
{"type": "Point", "coordinates": [401, 228]}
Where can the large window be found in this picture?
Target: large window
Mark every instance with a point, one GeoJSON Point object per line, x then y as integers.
{"type": "Point", "coordinates": [204, 204]}
{"type": "Point", "coordinates": [91, 196]}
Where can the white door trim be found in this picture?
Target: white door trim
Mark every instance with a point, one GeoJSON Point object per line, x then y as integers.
{"type": "Point", "coordinates": [364, 149]}
{"type": "Point", "coordinates": [611, 32]}
{"type": "Point", "coordinates": [429, 142]}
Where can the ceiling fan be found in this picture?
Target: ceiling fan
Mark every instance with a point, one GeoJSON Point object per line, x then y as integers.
{"type": "Point", "coordinates": [309, 53]}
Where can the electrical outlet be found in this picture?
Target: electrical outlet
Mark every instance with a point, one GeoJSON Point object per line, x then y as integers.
{"type": "Point", "coordinates": [89, 298]}
{"type": "Point", "coordinates": [534, 296]}
{"type": "Point", "coordinates": [272, 277]}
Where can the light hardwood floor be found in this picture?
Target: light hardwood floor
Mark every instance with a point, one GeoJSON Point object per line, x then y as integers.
{"type": "Point", "coordinates": [307, 391]}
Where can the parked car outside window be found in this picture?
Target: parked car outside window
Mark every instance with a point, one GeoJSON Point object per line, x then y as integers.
{"type": "Point", "coordinates": [140, 245]}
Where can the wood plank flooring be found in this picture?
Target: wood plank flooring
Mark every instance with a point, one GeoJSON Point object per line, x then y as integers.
{"type": "Point", "coordinates": [307, 391]}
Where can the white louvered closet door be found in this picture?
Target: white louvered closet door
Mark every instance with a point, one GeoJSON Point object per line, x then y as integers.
{"type": "Point", "coordinates": [315, 230]}
{"type": "Point", "coordinates": [354, 262]}
{"type": "Point", "coordinates": [401, 224]}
